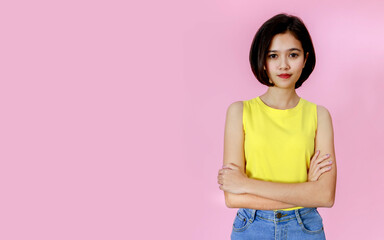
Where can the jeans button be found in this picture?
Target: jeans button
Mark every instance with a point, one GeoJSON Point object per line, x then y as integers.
{"type": "Point", "coordinates": [278, 215]}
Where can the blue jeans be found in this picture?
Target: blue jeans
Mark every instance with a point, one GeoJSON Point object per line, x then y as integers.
{"type": "Point", "coordinates": [298, 224]}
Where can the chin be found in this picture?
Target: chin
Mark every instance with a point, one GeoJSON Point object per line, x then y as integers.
{"type": "Point", "coordinates": [285, 85]}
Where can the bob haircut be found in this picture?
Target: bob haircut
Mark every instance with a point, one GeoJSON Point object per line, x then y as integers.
{"type": "Point", "coordinates": [263, 38]}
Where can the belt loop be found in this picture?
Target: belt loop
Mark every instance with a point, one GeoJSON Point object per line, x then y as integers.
{"type": "Point", "coordinates": [298, 216]}
{"type": "Point", "coordinates": [253, 214]}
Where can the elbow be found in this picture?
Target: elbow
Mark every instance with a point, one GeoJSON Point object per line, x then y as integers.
{"type": "Point", "coordinates": [328, 204]}
{"type": "Point", "coordinates": [228, 200]}
{"type": "Point", "coordinates": [329, 201]}
{"type": "Point", "coordinates": [325, 199]}
{"type": "Point", "coordinates": [228, 203]}
{"type": "Point", "coordinates": [325, 195]}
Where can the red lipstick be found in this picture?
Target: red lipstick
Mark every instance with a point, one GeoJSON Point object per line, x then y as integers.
{"type": "Point", "coordinates": [285, 75]}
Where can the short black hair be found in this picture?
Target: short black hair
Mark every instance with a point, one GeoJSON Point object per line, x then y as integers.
{"type": "Point", "coordinates": [280, 23]}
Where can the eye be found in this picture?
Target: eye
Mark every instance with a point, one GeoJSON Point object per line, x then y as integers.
{"type": "Point", "coordinates": [294, 55]}
{"type": "Point", "coordinates": [272, 56]}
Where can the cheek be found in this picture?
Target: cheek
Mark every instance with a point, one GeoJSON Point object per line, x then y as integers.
{"type": "Point", "coordinates": [298, 65]}
{"type": "Point", "coordinates": [269, 63]}
{"type": "Point", "coordinates": [270, 66]}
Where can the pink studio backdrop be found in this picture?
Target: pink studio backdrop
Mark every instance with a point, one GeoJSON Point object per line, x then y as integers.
{"type": "Point", "coordinates": [112, 114]}
{"type": "Point", "coordinates": [347, 80]}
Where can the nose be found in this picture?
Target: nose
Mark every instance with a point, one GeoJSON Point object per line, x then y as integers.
{"type": "Point", "coordinates": [284, 63]}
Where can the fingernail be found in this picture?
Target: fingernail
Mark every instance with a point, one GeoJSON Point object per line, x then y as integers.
{"type": "Point", "coordinates": [330, 161]}
{"type": "Point", "coordinates": [328, 155]}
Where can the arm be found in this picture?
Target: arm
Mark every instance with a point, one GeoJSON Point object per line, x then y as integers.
{"type": "Point", "coordinates": [234, 153]}
{"type": "Point", "coordinates": [246, 200]}
{"type": "Point", "coordinates": [320, 193]}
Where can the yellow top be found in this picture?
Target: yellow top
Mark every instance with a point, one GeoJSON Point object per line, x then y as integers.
{"type": "Point", "coordinates": [279, 143]}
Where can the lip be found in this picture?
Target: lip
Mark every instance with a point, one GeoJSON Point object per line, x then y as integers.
{"type": "Point", "coordinates": [285, 75]}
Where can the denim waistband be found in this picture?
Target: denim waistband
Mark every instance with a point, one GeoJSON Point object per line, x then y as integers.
{"type": "Point", "coordinates": [278, 215]}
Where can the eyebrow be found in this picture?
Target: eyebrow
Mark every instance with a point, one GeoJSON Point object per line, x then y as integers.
{"type": "Point", "coordinates": [291, 49]}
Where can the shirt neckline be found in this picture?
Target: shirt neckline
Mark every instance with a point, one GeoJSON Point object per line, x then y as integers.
{"type": "Point", "coordinates": [280, 111]}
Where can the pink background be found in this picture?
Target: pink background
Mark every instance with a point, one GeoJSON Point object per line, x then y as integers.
{"type": "Point", "coordinates": [112, 113]}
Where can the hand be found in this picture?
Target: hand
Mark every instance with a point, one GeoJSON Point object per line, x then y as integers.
{"type": "Point", "coordinates": [232, 179]}
{"type": "Point", "coordinates": [318, 166]}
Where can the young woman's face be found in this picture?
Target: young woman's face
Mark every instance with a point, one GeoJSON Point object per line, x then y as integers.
{"type": "Point", "coordinates": [285, 60]}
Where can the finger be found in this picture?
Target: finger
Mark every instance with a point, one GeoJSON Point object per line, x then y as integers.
{"type": "Point", "coordinates": [220, 181]}
{"type": "Point", "coordinates": [315, 177]}
{"type": "Point", "coordinates": [315, 169]}
{"type": "Point", "coordinates": [324, 163]}
{"type": "Point", "coordinates": [326, 156]}
{"type": "Point", "coordinates": [318, 173]}
{"type": "Point", "coordinates": [316, 154]}
{"type": "Point", "coordinates": [321, 164]}
{"type": "Point", "coordinates": [232, 166]}
{"type": "Point", "coordinates": [315, 157]}
{"type": "Point", "coordinates": [318, 160]}
{"type": "Point", "coordinates": [325, 169]}
{"type": "Point", "coordinates": [229, 165]}
{"type": "Point", "coordinates": [322, 158]}
{"type": "Point", "coordinates": [321, 171]}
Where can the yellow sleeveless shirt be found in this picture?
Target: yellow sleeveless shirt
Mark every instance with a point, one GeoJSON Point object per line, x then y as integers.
{"type": "Point", "coordinates": [279, 144]}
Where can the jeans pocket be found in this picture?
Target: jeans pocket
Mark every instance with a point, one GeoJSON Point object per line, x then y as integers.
{"type": "Point", "coordinates": [242, 220]}
{"type": "Point", "coordinates": [312, 222]}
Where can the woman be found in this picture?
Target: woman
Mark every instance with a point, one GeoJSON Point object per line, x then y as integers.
{"type": "Point", "coordinates": [279, 159]}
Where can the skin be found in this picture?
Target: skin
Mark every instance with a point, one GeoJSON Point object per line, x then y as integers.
{"type": "Point", "coordinates": [286, 56]}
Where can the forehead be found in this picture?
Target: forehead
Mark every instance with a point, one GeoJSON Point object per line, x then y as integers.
{"type": "Point", "coordinates": [284, 41]}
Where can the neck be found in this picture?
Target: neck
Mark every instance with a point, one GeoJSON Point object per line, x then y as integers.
{"type": "Point", "coordinates": [280, 98]}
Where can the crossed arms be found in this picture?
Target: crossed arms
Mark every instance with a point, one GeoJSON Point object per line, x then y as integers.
{"type": "Point", "coordinates": [265, 195]}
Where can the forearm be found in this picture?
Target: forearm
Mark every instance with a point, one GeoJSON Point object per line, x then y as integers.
{"type": "Point", "coordinates": [306, 194]}
{"type": "Point", "coordinates": [252, 201]}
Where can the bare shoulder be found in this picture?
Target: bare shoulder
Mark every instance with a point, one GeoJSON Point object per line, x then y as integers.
{"type": "Point", "coordinates": [235, 109]}
{"type": "Point", "coordinates": [323, 115]}
{"type": "Point", "coordinates": [324, 123]}
{"type": "Point", "coordinates": [322, 111]}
